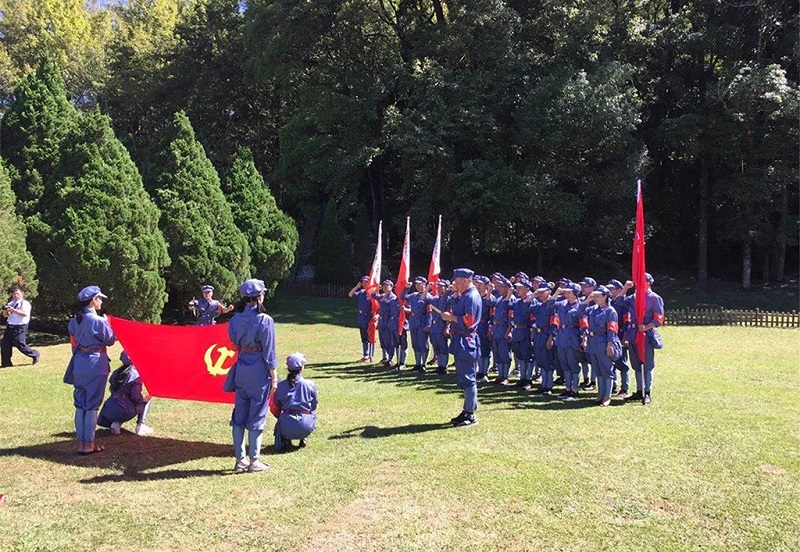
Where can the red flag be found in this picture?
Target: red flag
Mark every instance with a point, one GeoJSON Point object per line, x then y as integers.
{"type": "Point", "coordinates": [638, 269]}
{"type": "Point", "coordinates": [404, 274]}
{"type": "Point", "coordinates": [179, 362]}
{"type": "Point", "coordinates": [374, 283]}
{"type": "Point", "coordinates": [435, 269]}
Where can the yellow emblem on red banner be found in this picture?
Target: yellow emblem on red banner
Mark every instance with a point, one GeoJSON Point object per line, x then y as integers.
{"type": "Point", "coordinates": [217, 367]}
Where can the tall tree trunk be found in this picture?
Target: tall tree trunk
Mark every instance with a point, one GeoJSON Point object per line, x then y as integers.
{"type": "Point", "coordinates": [540, 261]}
{"type": "Point", "coordinates": [765, 266]}
{"type": "Point", "coordinates": [779, 253]}
{"type": "Point", "coordinates": [437, 9]}
{"type": "Point", "coordinates": [747, 263]}
{"type": "Point", "coordinates": [702, 221]}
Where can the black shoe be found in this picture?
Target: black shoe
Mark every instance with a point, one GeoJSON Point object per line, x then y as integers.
{"type": "Point", "coordinates": [559, 381]}
{"type": "Point", "coordinates": [526, 384]}
{"type": "Point", "coordinates": [459, 417]}
{"type": "Point", "coordinates": [585, 382]}
{"type": "Point", "coordinates": [442, 371]}
{"type": "Point", "coordinates": [468, 420]}
{"type": "Point", "coordinates": [303, 442]}
{"type": "Point", "coordinates": [635, 397]}
{"type": "Point", "coordinates": [493, 370]}
{"type": "Point", "coordinates": [647, 399]}
{"type": "Point", "coordinates": [520, 383]}
{"type": "Point", "coordinates": [36, 359]}
{"type": "Point", "coordinates": [419, 369]}
{"type": "Point", "coordinates": [482, 378]}
{"type": "Point", "coordinates": [590, 386]}
{"type": "Point", "coordinates": [564, 395]}
{"type": "Point", "coordinates": [536, 377]}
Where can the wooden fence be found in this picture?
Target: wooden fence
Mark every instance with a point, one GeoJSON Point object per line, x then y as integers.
{"type": "Point", "coordinates": [675, 317]}
{"type": "Point", "coordinates": [725, 317]}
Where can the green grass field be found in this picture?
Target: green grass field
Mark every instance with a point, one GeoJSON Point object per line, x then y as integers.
{"type": "Point", "coordinates": [712, 464]}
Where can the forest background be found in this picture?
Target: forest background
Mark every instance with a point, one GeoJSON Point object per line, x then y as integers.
{"type": "Point", "coordinates": [199, 125]}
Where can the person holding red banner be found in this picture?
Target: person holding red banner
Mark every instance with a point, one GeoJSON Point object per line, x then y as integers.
{"type": "Point", "coordinates": [295, 402]}
{"type": "Point", "coordinates": [419, 322]}
{"type": "Point", "coordinates": [90, 334]}
{"type": "Point", "coordinates": [439, 328]}
{"type": "Point", "coordinates": [363, 318]}
{"type": "Point", "coordinates": [385, 329]}
{"type": "Point", "coordinates": [126, 401]}
{"type": "Point", "coordinates": [252, 377]}
{"type": "Point", "coordinates": [652, 319]}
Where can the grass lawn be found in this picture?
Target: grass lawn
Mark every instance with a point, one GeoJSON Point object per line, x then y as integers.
{"type": "Point", "coordinates": [712, 464]}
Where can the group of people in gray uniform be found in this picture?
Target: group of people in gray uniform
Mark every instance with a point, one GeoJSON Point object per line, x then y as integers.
{"type": "Point", "coordinates": [554, 333]}
{"type": "Point", "coordinates": [252, 378]}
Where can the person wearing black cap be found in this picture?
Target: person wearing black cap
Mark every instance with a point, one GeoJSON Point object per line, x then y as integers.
{"type": "Point", "coordinates": [464, 343]}
{"type": "Point", "coordinates": [619, 304]}
{"type": "Point", "coordinates": [363, 318]}
{"type": "Point", "coordinates": [653, 318]}
{"type": "Point", "coordinates": [385, 299]}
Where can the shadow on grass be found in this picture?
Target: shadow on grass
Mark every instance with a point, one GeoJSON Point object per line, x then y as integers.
{"type": "Point", "coordinates": [134, 457]}
{"type": "Point", "coordinates": [440, 384]}
{"type": "Point", "coordinates": [373, 432]}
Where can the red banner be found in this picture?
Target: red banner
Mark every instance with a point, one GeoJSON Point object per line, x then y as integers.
{"type": "Point", "coordinates": [374, 283]}
{"type": "Point", "coordinates": [638, 270]}
{"type": "Point", "coordinates": [403, 275]}
{"type": "Point", "coordinates": [179, 362]}
{"type": "Point", "coordinates": [436, 268]}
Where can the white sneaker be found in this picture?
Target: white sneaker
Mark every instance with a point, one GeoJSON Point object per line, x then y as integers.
{"type": "Point", "coordinates": [241, 465]}
{"type": "Point", "coordinates": [143, 430]}
{"type": "Point", "coordinates": [116, 428]}
{"type": "Point", "coordinates": [257, 466]}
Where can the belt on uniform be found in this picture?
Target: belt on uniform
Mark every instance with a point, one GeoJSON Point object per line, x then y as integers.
{"type": "Point", "coordinates": [250, 349]}
{"type": "Point", "coordinates": [91, 350]}
{"type": "Point", "coordinates": [592, 334]}
{"type": "Point", "coordinates": [296, 411]}
{"type": "Point", "coordinates": [520, 326]}
{"type": "Point", "coordinates": [564, 326]}
{"type": "Point", "coordinates": [540, 330]}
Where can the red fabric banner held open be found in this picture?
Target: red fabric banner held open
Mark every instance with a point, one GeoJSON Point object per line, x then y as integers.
{"type": "Point", "coordinates": [179, 362]}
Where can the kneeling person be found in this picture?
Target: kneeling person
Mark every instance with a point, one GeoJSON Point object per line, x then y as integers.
{"type": "Point", "coordinates": [126, 401]}
{"type": "Point", "coordinates": [296, 398]}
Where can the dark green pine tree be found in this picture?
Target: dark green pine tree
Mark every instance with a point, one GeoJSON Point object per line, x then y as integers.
{"type": "Point", "coordinates": [271, 233]}
{"type": "Point", "coordinates": [32, 131]}
{"type": "Point", "coordinates": [331, 253]}
{"type": "Point", "coordinates": [99, 226]}
{"type": "Point", "coordinates": [204, 243]}
{"type": "Point", "coordinates": [16, 262]}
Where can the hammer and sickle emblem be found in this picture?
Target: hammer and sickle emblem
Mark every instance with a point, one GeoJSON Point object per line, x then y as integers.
{"type": "Point", "coordinates": [216, 368]}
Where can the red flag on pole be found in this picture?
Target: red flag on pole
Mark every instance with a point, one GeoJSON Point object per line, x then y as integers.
{"type": "Point", "coordinates": [638, 270]}
{"type": "Point", "coordinates": [435, 268]}
{"type": "Point", "coordinates": [404, 274]}
{"type": "Point", "coordinates": [374, 283]}
{"type": "Point", "coordinates": [179, 362]}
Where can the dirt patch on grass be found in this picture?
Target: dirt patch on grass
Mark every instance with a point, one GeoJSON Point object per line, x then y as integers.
{"type": "Point", "coordinates": [773, 470]}
{"type": "Point", "coordinates": [388, 514]}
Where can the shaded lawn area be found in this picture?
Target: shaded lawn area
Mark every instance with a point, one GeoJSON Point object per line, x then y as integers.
{"type": "Point", "coordinates": [713, 463]}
